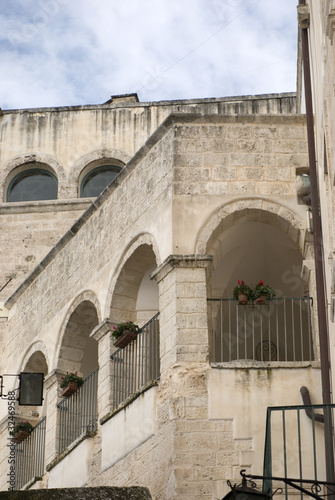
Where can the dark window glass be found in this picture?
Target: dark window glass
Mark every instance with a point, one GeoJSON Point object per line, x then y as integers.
{"type": "Point", "coordinates": [97, 180]}
{"type": "Point", "coordinates": [33, 185]}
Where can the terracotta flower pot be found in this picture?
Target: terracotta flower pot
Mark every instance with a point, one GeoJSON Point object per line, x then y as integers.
{"type": "Point", "coordinates": [70, 389]}
{"type": "Point", "coordinates": [261, 299]}
{"type": "Point", "coordinates": [125, 339]}
{"type": "Point", "coordinates": [242, 299]}
{"type": "Point", "coordinates": [20, 436]}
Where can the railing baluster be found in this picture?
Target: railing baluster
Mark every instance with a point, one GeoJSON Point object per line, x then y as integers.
{"type": "Point", "coordinates": [301, 332]}
{"type": "Point", "coordinates": [277, 330]}
{"type": "Point", "coordinates": [78, 414]}
{"type": "Point", "coordinates": [299, 450]}
{"type": "Point", "coordinates": [280, 327]}
{"type": "Point", "coordinates": [284, 448]}
{"type": "Point", "coordinates": [140, 362]}
{"type": "Point", "coordinates": [285, 330]}
{"type": "Point", "coordinates": [30, 456]}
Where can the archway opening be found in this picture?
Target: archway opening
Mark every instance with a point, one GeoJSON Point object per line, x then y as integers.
{"type": "Point", "coordinates": [252, 248]}
{"type": "Point", "coordinates": [79, 352]}
{"type": "Point", "coordinates": [135, 296]}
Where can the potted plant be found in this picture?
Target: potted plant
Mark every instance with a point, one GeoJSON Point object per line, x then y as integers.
{"type": "Point", "coordinates": [21, 431]}
{"type": "Point", "coordinates": [262, 292]}
{"type": "Point", "coordinates": [70, 384]}
{"type": "Point", "coordinates": [242, 293]}
{"type": "Point", "coordinates": [124, 333]}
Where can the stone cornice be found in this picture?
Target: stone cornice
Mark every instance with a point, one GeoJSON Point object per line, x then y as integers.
{"type": "Point", "coordinates": [103, 328]}
{"type": "Point", "coordinates": [182, 261]}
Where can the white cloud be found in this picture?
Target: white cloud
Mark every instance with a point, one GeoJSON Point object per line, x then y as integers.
{"type": "Point", "coordinates": [66, 52]}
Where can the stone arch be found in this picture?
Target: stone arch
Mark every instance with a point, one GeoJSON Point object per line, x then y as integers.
{"type": "Point", "coordinates": [36, 358]}
{"type": "Point", "coordinates": [78, 351]}
{"type": "Point", "coordinates": [254, 209]}
{"type": "Point", "coordinates": [35, 361]}
{"type": "Point", "coordinates": [133, 296]}
{"type": "Point", "coordinates": [253, 240]}
{"type": "Point", "coordinates": [92, 160]}
{"type": "Point", "coordinates": [34, 160]}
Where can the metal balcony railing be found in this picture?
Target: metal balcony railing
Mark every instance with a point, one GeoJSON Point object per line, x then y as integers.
{"type": "Point", "coordinates": [29, 456]}
{"type": "Point", "coordinates": [137, 364]}
{"type": "Point", "coordinates": [277, 331]}
{"type": "Point", "coordinates": [298, 440]}
{"type": "Point", "coordinates": [78, 413]}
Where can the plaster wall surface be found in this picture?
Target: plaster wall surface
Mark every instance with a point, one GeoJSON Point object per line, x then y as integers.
{"type": "Point", "coordinates": [72, 471]}
{"type": "Point", "coordinates": [247, 395]}
{"type": "Point", "coordinates": [128, 429]}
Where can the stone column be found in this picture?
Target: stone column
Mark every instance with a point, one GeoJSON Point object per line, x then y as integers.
{"type": "Point", "coordinates": [52, 390]}
{"type": "Point", "coordinates": [183, 309]}
{"type": "Point", "coordinates": [102, 334]}
{"type": "Point", "coordinates": [182, 409]}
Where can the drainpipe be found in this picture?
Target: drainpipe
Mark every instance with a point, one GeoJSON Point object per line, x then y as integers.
{"type": "Point", "coordinates": [318, 247]}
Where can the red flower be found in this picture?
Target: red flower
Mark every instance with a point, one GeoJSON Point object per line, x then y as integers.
{"type": "Point", "coordinates": [261, 283]}
{"type": "Point", "coordinates": [238, 282]}
{"type": "Point", "coordinates": [242, 282]}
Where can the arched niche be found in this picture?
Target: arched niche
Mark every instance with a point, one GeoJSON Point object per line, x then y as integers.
{"type": "Point", "coordinates": [79, 352]}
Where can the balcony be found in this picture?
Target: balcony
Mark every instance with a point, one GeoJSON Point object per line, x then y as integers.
{"type": "Point", "coordinates": [135, 366]}
{"type": "Point", "coordinates": [29, 456]}
{"type": "Point", "coordinates": [280, 330]}
{"type": "Point", "coordinates": [78, 413]}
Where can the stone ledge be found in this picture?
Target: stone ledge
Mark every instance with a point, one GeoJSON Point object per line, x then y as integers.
{"type": "Point", "coordinates": [53, 206]}
{"type": "Point", "coordinates": [182, 261]}
{"type": "Point", "coordinates": [265, 365]}
{"type": "Point", "coordinates": [98, 493]}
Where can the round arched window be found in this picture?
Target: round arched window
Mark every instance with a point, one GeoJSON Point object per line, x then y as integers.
{"type": "Point", "coordinates": [97, 180]}
{"type": "Point", "coordinates": [33, 185]}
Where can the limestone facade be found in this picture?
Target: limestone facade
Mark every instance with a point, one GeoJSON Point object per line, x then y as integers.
{"type": "Point", "coordinates": [207, 196]}
{"type": "Point", "coordinates": [321, 33]}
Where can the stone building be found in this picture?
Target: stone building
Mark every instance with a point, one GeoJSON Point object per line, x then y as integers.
{"type": "Point", "coordinates": [199, 195]}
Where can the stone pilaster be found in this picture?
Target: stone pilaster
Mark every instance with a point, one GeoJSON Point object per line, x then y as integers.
{"type": "Point", "coordinates": [183, 309]}
{"type": "Point", "coordinates": [52, 391]}
{"type": "Point", "coordinates": [102, 334]}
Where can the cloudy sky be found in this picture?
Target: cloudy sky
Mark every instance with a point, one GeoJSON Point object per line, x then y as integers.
{"type": "Point", "coordinates": [69, 52]}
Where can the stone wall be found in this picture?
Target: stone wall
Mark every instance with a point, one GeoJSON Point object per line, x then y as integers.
{"type": "Point", "coordinates": [28, 232]}
{"type": "Point", "coordinates": [66, 140]}
{"type": "Point", "coordinates": [192, 176]}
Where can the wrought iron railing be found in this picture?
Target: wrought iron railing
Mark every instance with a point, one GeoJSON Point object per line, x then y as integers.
{"type": "Point", "coordinates": [280, 330]}
{"type": "Point", "coordinates": [78, 413]}
{"type": "Point", "coordinates": [299, 447]}
{"type": "Point", "coordinates": [29, 456]}
{"type": "Point", "coordinates": [137, 364]}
